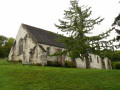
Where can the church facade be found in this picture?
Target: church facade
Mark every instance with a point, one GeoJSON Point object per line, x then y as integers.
{"type": "Point", "coordinates": [34, 46]}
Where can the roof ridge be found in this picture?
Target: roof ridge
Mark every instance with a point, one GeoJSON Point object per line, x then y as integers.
{"type": "Point", "coordinates": [38, 28]}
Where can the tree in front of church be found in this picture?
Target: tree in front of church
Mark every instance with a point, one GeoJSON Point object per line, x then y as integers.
{"type": "Point", "coordinates": [78, 24]}
{"type": "Point", "coordinates": [117, 23]}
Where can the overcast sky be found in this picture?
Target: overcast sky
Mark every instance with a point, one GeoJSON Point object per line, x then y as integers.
{"type": "Point", "coordinates": [44, 13]}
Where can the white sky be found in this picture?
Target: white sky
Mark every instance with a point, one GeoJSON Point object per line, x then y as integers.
{"type": "Point", "coordinates": [44, 13]}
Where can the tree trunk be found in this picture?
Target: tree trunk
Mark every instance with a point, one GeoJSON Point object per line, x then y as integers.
{"type": "Point", "coordinates": [87, 64]}
{"type": "Point", "coordinates": [87, 61]}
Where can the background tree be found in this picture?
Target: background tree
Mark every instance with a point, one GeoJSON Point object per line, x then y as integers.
{"type": "Point", "coordinates": [8, 45]}
{"type": "Point", "coordinates": [3, 39]}
{"type": "Point", "coordinates": [78, 24]}
{"type": "Point", "coordinates": [5, 46]}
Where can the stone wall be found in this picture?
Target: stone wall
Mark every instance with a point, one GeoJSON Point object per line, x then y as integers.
{"type": "Point", "coordinates": [95, 62]}
{"type": "Point", "coordinates": [52, 50]}
{"type": "Point", "coordinates": [107, 63]}
{"type": "Point", "coordinates": [31, 51]}
{"type": "Point", "coordinates": [80, 63]}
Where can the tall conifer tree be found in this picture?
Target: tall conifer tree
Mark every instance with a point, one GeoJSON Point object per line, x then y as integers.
{"type": "Point", "coordinates": [78, 24]}
{"type": "Point", "coordinates": [117, 22]}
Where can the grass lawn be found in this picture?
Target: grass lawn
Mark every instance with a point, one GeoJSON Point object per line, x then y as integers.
{"type": "Point", "coordinates": [15, 76]}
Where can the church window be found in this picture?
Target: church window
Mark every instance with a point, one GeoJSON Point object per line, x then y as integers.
{"type": "Point", "coordinates": [20, 46]}
{"type": "Point", "coordinates": [97, 60]}
{"type": "Point", "coordinates": [59, 50]}
{"type": "Point", "coordinates": [90, 59]}
{"type": "Point", "coordinates": [48, 51]}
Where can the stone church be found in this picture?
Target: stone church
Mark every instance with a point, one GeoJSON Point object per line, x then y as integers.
{"type": "Point", "coordinates": [34, 46]}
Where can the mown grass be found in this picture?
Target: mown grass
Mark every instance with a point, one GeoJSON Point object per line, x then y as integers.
{"type": "Point", "coordinates": [15, 76]}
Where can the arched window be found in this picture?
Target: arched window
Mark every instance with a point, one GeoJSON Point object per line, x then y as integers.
{"type": "Point", "coordinates": [97, 60]}
{"type": "Point", "coordinates": [14, 45]}
{"type": "Point", "coordinates": [90, 58]}
{"type": "Point", "coordinates": [20, 46]}
{"type": "Point", "coordinates": [48, 51]}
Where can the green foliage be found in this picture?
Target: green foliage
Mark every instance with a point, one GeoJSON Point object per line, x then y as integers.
{"type": "Point", "coordinates": [25, 77]}
{"type": "Point", "coordinates": [112, 55]}
{"type": "Point", "coordinates": [3, 52]}
{"type": "Point", "coordinates": [115, 56]}
{"type": "Point", "coordinates": [9, 42]}
{"type": "Point", "coordinates": [70, 64]}
{"type": "Point", "coordinates": [5, 46]}
{"type": "Point", "coordinates": [116, 65]}
{"type": "Point", "coordinates": [116, 19]}
{"type": "Point", "coordinates": [78, 24]}
{"type": "Point", "coordinates": [6, 62]}
{"type": "Point", "coordinates": [3, 39]}
{"type": "Point", "coordinates": [117, 22]}
{"type": "Point", "coordinates": [37, 64]}
{"type": "Point", "coordinates": [54, 63]}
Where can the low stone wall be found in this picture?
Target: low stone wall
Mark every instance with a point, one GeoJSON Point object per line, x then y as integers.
{"type": "Point", "coordinates": [80, 63]}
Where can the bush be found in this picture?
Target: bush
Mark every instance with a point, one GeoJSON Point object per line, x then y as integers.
{"type": "Point", "coordinates": [4, 62]}
{"type": "Point", "coordinates": [36, 64]}
{"type": "Point", "coordinates": [7, 62]}
{"type": "Point", "coordinates": [116, 65]}
{"type": "Point", "coordinates": [54, 63]}
{"type": "Point", "coordinates": [15, 62]}
{"type": "Point", "coordinates": [70, 64]}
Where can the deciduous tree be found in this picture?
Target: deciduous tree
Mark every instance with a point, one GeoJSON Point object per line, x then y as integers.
{"type": "Point", "coordinates": [5, 46]}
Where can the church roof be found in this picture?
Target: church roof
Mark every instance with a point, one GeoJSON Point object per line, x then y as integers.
{"type": "Point", "coordinates": [44, 36]}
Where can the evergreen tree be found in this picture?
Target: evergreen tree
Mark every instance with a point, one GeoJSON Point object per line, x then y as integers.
{"type": "Point", "coordinates": [117, 22]}
{"type": "Point", "coordinates": [78, 24]}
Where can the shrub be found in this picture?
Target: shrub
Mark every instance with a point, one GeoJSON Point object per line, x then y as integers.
{"type": "Point", "coordinates": [15, 62]}
{"type": "Point", "coordinates": [7, 62]}
{"type": "Point", "coordinates": [116, 65]}
{"type": "Point", "coordinates": [54, 63]}
{"type": "Point", "coordinates": [36, 64]}
{"type": "Point", "coordinates": [70, 64]}
{"type": "Point", "coordinates": [4, 62]}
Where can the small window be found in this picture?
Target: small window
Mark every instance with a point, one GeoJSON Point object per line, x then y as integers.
{"type": "Point", "coordinates": [14, 45]}
{"type": "Point", "coordinates": [90, 59]}
{"type": "Point", "coordinates": [20, 46]}
{"type": "Point", "coordinates": [48, 51]}
{"type": "Point", "coordinates": [108, 62]}
{"type": "Point", "coordinates": [59, 50]}
{"type": "Point", "coordinates": [97, 60]}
